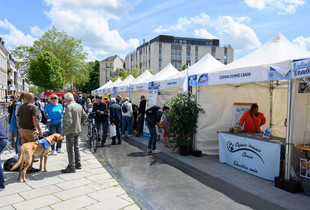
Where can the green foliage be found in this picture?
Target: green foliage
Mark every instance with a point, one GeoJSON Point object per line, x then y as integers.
{"type": "Point", "coordinates": [123, 74]}
{"type": "Point", "coordinates": [93, 82]}
{"type": "Point", "coordinates": [183, 67]}
{"type": "Point", "coordinates": [68, 51]}
{"type": "Point", "coordinates": [45, 71]}
{"type": "Point", "coordinates": [184, 117]}
{"type": "Point", "coordinates": [36, 90]}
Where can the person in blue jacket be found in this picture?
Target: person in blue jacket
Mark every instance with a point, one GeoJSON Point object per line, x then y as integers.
{"type": "Point", "coordinates": [115, 119]}
{"type": "Point", "coordinates": [3, 142]}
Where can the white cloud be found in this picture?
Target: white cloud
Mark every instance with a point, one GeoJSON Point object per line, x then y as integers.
{"type": "Point", "coordinates": [284, 6]}
{"type": "Point", "coordinates": [302, 42]}
{"type": "Point", "coordinates": [229, 30]}
{"type": "Point", "coordinates": [203, 34]}
{"type": "Point", "coordinates": [94, 54]}
{"type": "Point", "coordinates": [88, 21]}
{"type": "Point", "coordinates": [200, 20]}
{"type": "Point", "coordinates": [239, 36]}
{"type": "Point", "coordinates": [14, 37]}
{"type": "Point", "coordinates": [36, 31]}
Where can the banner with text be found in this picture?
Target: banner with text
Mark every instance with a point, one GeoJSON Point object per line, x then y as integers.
{"type": "Point", "coordinates": [301, 68]}
{"type": "Point", "coordinates": [151, 101]}
{"type": "Point", "coordinates": [259, 158]}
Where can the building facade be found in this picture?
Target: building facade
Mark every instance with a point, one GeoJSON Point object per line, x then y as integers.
{"type": "Point", "coordinates": [110, 67]}
{"type": "Point", "coordinates": [178, 51]}
{"type": "Point", "coordinates": [4, 54]}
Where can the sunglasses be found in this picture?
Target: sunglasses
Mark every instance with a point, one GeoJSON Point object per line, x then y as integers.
{"type": "Point", "coordinates": [53, 98]}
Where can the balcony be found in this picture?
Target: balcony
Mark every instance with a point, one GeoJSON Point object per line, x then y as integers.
{"type": "Point", "coordinates": [10, 76]}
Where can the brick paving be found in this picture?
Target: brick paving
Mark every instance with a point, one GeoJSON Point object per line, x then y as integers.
{"type": "Point", "coordinates": [92, 187]}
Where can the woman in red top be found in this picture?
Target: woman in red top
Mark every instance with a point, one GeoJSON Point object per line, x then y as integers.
{"type": "Point", "coordinates": [253, 120]}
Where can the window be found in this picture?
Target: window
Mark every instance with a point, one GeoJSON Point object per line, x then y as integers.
{"type": "Point", "coordinates": [159, 53]}
{"type": "Point", "coordinates": [188, 55]}
{"type": "Point", "coordinates": [196, 53]}
{"type": "Point", "coordinates": [213, 51]}
{"type": "Point", "coordinates": [159, 65]}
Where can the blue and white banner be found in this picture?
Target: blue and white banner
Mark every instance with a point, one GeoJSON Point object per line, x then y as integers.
{"type": "Point", "coordinates": [192, 80]}
{"type": "Point", "coordinates": [203, 79]}
{"type": "Point", "coordinates": [301, 68]}
{"type": "Point", "coordinates": [151, 101]}
{"type": "Point", "coordinates": [260, 158]}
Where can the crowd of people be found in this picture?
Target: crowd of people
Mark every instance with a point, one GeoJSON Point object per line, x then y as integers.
{"type": "Point", "coordinates": [66, 117]}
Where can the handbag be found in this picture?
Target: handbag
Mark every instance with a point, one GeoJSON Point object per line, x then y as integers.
{"type": "Point", "coordinates": [112, 130]}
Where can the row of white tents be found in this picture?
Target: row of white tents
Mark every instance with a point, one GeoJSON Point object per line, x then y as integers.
{"type": "Point", "coordinates": [260, 77]}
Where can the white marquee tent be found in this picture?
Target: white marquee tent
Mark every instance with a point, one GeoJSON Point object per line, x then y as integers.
{"type": "Point", "coordinates": [109, 88]}
{"type": "Point", "coordinates": [98, 91]}
{"type": "Point", "coordinates": [123, 86]}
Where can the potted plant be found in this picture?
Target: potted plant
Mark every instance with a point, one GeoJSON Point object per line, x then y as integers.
{"type": "Point", "coordinates": [183, 120]}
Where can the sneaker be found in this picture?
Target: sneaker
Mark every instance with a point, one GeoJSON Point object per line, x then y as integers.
{"type": "Point", "coordinates": [78, 166]}
{"type": "Point", "coordinates": [137, 135]}
{"type": "Point", "coordinates": [101, 144]}
{"type": "Point", "coordinates": [113, 143]}
{"type": "Point", "coordinates": [156, 151]}
{"type": "Point", "coordinates": [149, 150]}
{"type": "Point", "coordinates": [60, 151]}
{"type": "Point", "coordinates": [119, 142]}
{"type": "Point", "coordinates": [2, 189]}
{"type": "Point", "coordinates": [123, 136]}
{"type": "Point", "coordinates": [68, 170]}
{"type": "Point", "coordinates": [53, 152]}
{"type": "Point", "coordinates": [129, 135]}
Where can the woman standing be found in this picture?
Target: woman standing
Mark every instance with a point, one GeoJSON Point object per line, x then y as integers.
{"type": "Point", "coordinates": [13, 125]}
{"type": "Point", "coordinates": [252, 119]}
{"type": "Point", "coordinates": [89, 106]}
{"type": "Point", "coordinates": [54, 112]}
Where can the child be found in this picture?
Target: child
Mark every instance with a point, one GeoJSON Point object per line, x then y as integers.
{"type": "Point", "coordinates": [166, 125]}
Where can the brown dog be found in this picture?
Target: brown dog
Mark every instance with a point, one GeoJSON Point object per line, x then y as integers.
{"type": "Point", "coordinates": [29, 150]}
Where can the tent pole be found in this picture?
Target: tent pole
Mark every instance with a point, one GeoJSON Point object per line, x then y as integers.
{"type": "Point", "coordinates": [289, 124]}
{"type": "Point", "coordinates": [196, 99]}
{"type": "Point", "coordinates": [271, 98]}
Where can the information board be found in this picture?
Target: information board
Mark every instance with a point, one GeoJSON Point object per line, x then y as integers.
{"type": "Point", "coordinates": [239, 109]}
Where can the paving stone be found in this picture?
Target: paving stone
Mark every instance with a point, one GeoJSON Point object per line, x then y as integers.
{"type": "Point", "coordinates": [108, 193]}
{"type": "Point", "coordinates": [126, 197]}
{"type": "Point", "coordinates": [37, 202]}
{"type": "Point", "coordinates": [74, 183]}
{"type": "Point", "coordinates": [97, 171]}
{"type": "Point", "coordinates": [100, 177]}
{"type": "Point", "coordinates": [74, 192]}
{"type": "Point", "coordinates": [45, 182]}
{"type": "Point", "coordinates": [77, 175]}
{"type": "Point", "coordinates": [75, 203]}
{"type": "Point", "coordinates": [106, 183]}
{"type": "Point", "coordinates": [132, 207]}
{"type": "Point", "coordinates": [15, 188]}
{"type": "Point", "coordinates": [10, 199]}
{"type": "Point", "coordinates": [48, 190]}
{"type": "Point", "coordinates": [110, 204]}
{"type": "Point", "coordinates": [7, 208]}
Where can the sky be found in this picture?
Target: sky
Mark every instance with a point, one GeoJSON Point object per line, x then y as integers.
{"type": "Point", "coordinates": [109, 27]}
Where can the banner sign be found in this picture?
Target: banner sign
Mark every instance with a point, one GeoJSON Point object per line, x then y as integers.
{"type": "Point", "coordinates": [114, 89]}
{"type": "Point", "coordinates": [274, 75]}
{"type": "Point", "coordinates": [203, 79]}
{"type": "Point", "coordinates": [151, 101]}
{"type": "Point", "coordinates": [260, 158]}
{"type": "Point", "coordinates": [301, 68]}
{"type": "Point", "coordinates": [192, 80]}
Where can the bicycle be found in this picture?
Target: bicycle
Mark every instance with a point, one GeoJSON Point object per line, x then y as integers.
{"type": "Point", "coordinates": [92, 132]}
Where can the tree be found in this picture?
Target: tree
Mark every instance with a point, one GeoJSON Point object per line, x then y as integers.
{"type": "Point", "coordinates": [68, 51]}
{"type": "Point", "coordinates": [36, 89]}
{"type": "Point", "coordinates": [93, 82]}
{"type": "Point", "coordinates": [45, 71]}
{"type": "Point", "coordinates": [123, 74]}
{"type": "Point", "coordinates": [183, 67]}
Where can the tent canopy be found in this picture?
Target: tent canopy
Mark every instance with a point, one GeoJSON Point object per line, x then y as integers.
{"type": "Point", "coordinates": [272, 61]}
{"type": "Point", "coordinates": [108, 89]}
{"type": "Point", "coordinates": [123, 86]}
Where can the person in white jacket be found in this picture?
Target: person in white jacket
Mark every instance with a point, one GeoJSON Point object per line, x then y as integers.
{"type": "Point", "coordinates": [126, 108]}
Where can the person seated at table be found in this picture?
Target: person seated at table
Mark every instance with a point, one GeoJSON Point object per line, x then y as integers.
{"type": "Point", "coordinates": [252, 119]}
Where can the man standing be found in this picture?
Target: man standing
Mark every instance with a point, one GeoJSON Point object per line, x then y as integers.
{"type": "Point", "coordinates": [126, 108]}
{"type": "Point", "coordinates": [141, 115]}
{"type": "Point", "coordinates": [74, 117]}
{"type": "Point", "coordinates": [81, 101]}
{"type": "Point", "coordinates": [115, 118]}
{"type": "Point", "coordinates": [101, 110]}
{"type": "Point", "coordinates": [119, 99]}
{"type": "Point", "coordinates": [153, 115]}
{"type": "Point", "coordinates": [27, 122]}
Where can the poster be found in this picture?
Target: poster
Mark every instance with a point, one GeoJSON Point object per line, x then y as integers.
{"type": "Point", "coordinates": [150, 101]}
{"type": "Point", "coordinates": [304, 85]}
{"type": "Point", "coordinates": [239, 109]}
{"type": "Point", "coordinates": [305, 168]}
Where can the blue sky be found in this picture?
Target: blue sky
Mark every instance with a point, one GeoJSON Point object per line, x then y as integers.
{"type": "Point", "coordinates": [108, 27]}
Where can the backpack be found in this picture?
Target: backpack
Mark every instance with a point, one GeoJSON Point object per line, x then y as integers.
{"type": "Point", "coordinates": [124, 108]}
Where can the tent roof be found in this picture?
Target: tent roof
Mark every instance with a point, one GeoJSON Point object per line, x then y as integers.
{"type": "Point", "coordinates": [144, 76]}
{"type": "Point", "coordinates": [276, 50]}
{"type": "Point", "coordinates": [126, 81]}
{"type": "Point", "coordinates": [105, 85]}
{"type": "Point", "coordinates": [166, 72]}
{"type": "Point", "coordinates": [116, 82]}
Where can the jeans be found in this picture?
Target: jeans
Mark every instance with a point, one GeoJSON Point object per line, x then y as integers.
{"type": "Point", "coordinates": [74, 157]}
{"type": "Point", "coordinates": [104, 127]}
{"type": "Point", "coordinates": [117, 125]}
{"type": "Point", "coordinates": [18, 142]}
{"type": "Point", "coordinates": [126, 123]}
{"type": "Point", "coordinates": [3, 143]}
{"type": "Point", "coordinates": [56, 128]}
{"type": "Point", "coordinates": [141, 123]}
{"type": "Point", "coordinates": [153, 137]}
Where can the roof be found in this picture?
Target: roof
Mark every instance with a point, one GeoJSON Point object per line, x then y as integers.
{"type": "Point", "coordinates": [111, 58]}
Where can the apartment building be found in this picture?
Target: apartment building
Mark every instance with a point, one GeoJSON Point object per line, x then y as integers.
{"type": "Point", "coordinates": [161, 50]}
{"type": "Point", "coordinates": [110, 67]}
{"type": "Point", "coordinates": [3, 69]}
